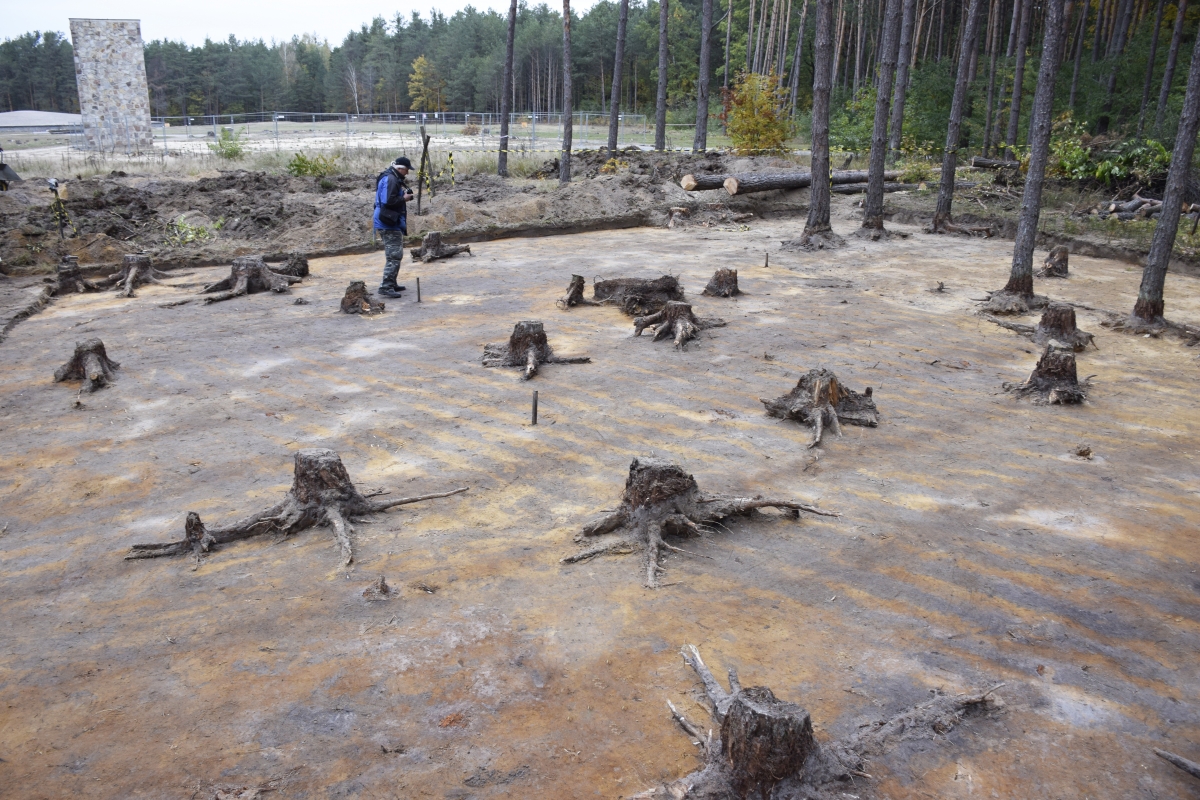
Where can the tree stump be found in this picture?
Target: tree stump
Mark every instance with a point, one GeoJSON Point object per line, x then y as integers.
{"type": "Point", "coordinates": [1056, 325]}
{"type": "Point", "coordinates": [135, 271]}
{"type": "Point", "coordinates": [295, 265]}
{"type": "Point", "coordinates": [90, 364]}
{"type": "Point", "coordinates": [723, 283]}
{"type": "Point", "coordinates": [432, 248]}
{"type": "Point", "coordinates": [359, 300]}
{"type": "Point", "coordinates": [636, 296]}
{"type": "Point", "coordinates": [321, 494]}
{"type": "Point", "coordinates": [574, 296]}
{"type": "Point", "coordinates": [70, 279]}
{"type": "Point", "coordinates": [662, 500]}
{"type": "Point", "coordinates": [1054, 380]}
{"type": "Point", "coordinates": [527, 348]}
{"type": "Point", "coordinates": [764, 740]}
{"type": "Point", "coordinates": [248, 274]}
{"type": "Point", "coordinates": [675, 320]}
{"type": "Point", "coordinates": [822, 401]}
{"type": "Point", "coordinates": [1055, 265]}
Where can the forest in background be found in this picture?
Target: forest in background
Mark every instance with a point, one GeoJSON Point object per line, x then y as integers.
{"type": "Point", "coordinates": [1116, 54]}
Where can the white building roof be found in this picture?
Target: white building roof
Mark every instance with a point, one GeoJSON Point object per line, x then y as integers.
{"type": "Point", "coordinates": [34, 119]}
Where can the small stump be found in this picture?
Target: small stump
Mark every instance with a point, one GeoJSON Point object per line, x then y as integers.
{"type": "Point", "coordinates": [723, 284]}
{"type": "Point", "coordinates": [70, 279]}
{"type": "Point", "coordinates": [90, 364]}
{"type": "Point", "coordinates": [822, 401]}
{"type": "Point", "coordinates": [1054, 380]}
{"type": "Point", "coordinates": [662, 500]}
{"type": "Point", "coordinates": [637, 296]}
{"type": "Point", "coordinates": [321, 494]}
{"type": "Point", "coordinates": [248, 274]}
{"type": "Point", "coordinates": [295, 265]}
{"type": "Point", "coordinates": [358, 300]}
{"type": "Point", "coordinates": [378, 590]}
{"type": "Point", "coordinates": [529, 348]}
{"type": "Point", "coordinates": [677, 321]}
{"type": "Point", "coordinates": [1055, 265]}
{"type": "Point", "coordinates": [1056, 325]}
{"type": "Point", "coordinates": [574, 296]}
{"type": "Point", "coordinates": [136, 270]}
{"type": "Point", "coordinates": [433, 248]}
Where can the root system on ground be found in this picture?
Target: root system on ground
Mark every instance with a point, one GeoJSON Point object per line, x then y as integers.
{"type": "Point", "coordinates": [527, 348]}
{"type": "Point", "coordinates": [432, 248]}
{"type": "Point", "coordinates": [675, 321]}
{"type": "Point", "coordinates": [1054, 380]}
{"type": "Point", "coordinates": [248, 274]}
{"type": "Point", "coordinates": [1056, 325]}
{"type": "Point", "coordinates": [90, 364]}
{"type": "Point", "coordinates": [821, 401]}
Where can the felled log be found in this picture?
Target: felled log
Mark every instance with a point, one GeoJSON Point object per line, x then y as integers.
{"type": "Point", "coordinates": [994, 163]}
{"type": "Point", "coordinates": [675, 320]}
{"type": "Point", "coordinates": [69, 278]}
{"type": "Point", "coordinates": [1054, 380]}
{"type": "Point", "coordinates": [822, 401]}
{"type": "Point", "coordinates": [702, 182]}
{"type": "Point", "coordinates": [637, 295]}
{"type": "Point", "coordinates": [248, 274]}
{"type": "Point", "coordinates": [90, 364]}
{"type": "Point", "coordinates": [529, 348]}
{"type": "Point", "coordinates": [433, 248]}
{"type": "Point", "coordinates": [723, 283]}
{"type": "Point", "coordinates": [359, 300]}
{"type": "Point", "coordinates": [765, 182]}
{"type": "Point", "coordinates": [1055, 265]}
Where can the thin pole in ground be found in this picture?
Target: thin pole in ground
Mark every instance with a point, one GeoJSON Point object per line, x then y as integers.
{"type": "Point", "coordinates": [418, 290]}
{"type": "Point", "coordinates": [535, 398]}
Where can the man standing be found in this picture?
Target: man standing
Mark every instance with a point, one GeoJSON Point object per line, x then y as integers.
{"type": "Point", "coordinates": [391, 220]}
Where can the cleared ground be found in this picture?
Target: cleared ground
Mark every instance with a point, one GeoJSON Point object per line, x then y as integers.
{"type": "Point", "coordinates": [973, 549]}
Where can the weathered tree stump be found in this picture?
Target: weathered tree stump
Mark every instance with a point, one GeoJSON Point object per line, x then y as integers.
{"type": "Point", "coordinates": [574, 296]}
{"type": "Point", "coordinates": [359, 300]}
{"type": "Point", "coordinates": [1056, 325]}
{"type": "Point", "coordinates": [433, 248]}
{"type": "Point", "coordinates": [1055, 265]}
{"type": "Point", "coordinates": [528, 348]}
{"type": "Point", "coordinates": [70, 279]}
{"type": "Point", "coordinates": [295, 265]}
{"type": "Point", "coordinates": [637, 296]}
{"type": "Point", "coordinates": [90, 364]}
{"type": "Point", "coordinates": [822, 401]}
{"type": "Point", "coordinates": [723, 283]}
{"type": "Point", "coordinates": [675, 320]}
{"type": "Point", "coordinates": [1054, 380]}
{"type": "Point", "coordinates": [135, 271]}
{"type": "Point", "coordinates": [248, 274]}
{"type": "Point", "coordinates": [662, 500]}
{"type": "Point", "coordinates": [321, 494]}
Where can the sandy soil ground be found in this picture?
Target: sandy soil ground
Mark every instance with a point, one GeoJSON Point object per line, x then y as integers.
{"type": "Point", "coordinates": [973, 549]}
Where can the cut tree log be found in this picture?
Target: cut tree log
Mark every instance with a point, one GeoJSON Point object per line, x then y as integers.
{"type": "Point", "coordinates": [1055, 265]}
{"type": "Point", "coordinates": [662, 500]}
{"type": "Point", "coordinates": [767, 748]}
{"type": "Point", "coordinates": [574, 296]}
{"type": "Point", "coordinates": [295, 265]}
{"type": "Point", "coordinates": [1054, 380]}
{"type": "Point", "coordinates": [764, 182]}
{"type": "Point", "coordinates": [90, 364]}
{"type": "Point", "coordinates": [432, 248]}
{"type": "Point", "coordinates": [636, 296]}
{"type": "Point", "coordinates": [359, 300]}
{"type": "Point", "coordinates": [1056, 325]}
{"type": "Point", "coordinates": [248, 274]}
{"type": "Point", "coordinates": [321, 494]}
{"type": "Point", "coordinates": [822, 401]}
{"type": "Point", "coordinates": [135, 271]}
{"type": "Point", "coordinates": [527, 348]}
{"type": "Point", "coordinates": [70, 279]}
{"type": "Point", "coordinates": [1190, 767]}
{"type": "Point", "coordinates": [723, 283]}
{"type": "Point", "coordinates": [994, 163]}
{"type": "Point", "coordinates": [675, 320]}
{"type": "Point", "coordinates": [702, 182]}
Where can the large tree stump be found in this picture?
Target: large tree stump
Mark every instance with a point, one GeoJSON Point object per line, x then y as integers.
{"type": "Point", "coordinates": [574, 296]}
{"type": "Point", "coordinates": [135, 271]}
{"type": "Point", "coordinates": [90, 364]}
{"type": "Point", "coordinates": [1054, 380]}
{"type": "Point", "coordinates": [1056, 325]}
{"type": "Point", "coordinates": [637, 296]}
{"type": "Point", "coordinates": [433, 248]}
{"type": "Point", "coordinates": [723, 283]}
{"type": "Point", "coordinates": [359, 300]}
{"type": "Point", "coordinates": [822, 401]}
{"type": "Point", "coordinates": [764, 740]}
{"type": "Point", "coordinates": [677, 321]}
{"type": "Point", "coordinates": [662, 500]}
{"type": "Point", "coordinates": [70, 279]}
{"type": "Point", "coordinates": [321, 494]}
{"type": "Point", "coordinates": [1055, 265]}
{"type": "Point", "coordinates": [248, 274]}
{"type": "Point", "coordinates": [529, 348]}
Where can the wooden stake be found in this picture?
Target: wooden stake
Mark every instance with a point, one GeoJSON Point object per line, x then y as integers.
{"type": "Point", "coordinates": [418, 290]}
{"type": "Point", "coordinates": [766, 260]}
{"type": "Point", "coordinates": [535, 406]}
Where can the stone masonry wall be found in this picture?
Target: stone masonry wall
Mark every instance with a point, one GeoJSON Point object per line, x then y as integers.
{"type": "Point", "coordinates": [110, 72]}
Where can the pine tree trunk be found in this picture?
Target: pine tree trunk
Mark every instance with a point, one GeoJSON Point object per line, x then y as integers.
{"type": "Point", "coordinates": [1115, 51]}
{"type": "Point", "coordinates": [564, 164]}
{"type": "Point", "coordinates": [1149, 307]}
{"type": "Point", "coordinates": [954, 130]}
{"type": "Point", "coordinates": [614, 104]}
{"type": "Point", "coordinates": [700, 143]}
{"type": "Point", "coordinates": [993, 53]}
{"type": "Point", "coordinates": [506, 91]}
{"type": "Point", "coordinates": [903, 59]}
{"type": "Point", "coordinates": [660, 107]}
{"type": "Point", "coordinates": [1158, 15]}
{"type": "Point", "coordinates": [1021, 280]}
{"type": "Point", "coordinates": [1169, 72]}
{"type": "Point", "coordinates": [728, 40]}
{"type": "Point", "coordinates": [1083, 18]}
{"type": "Point", "coordinates": [1014, 112]}
{"type": "Point", "coordinates": [819, 195]}
{"type": "Point", "coordinates": [797, 59]}
{"type": "Point", "coordinates": [873, 213]}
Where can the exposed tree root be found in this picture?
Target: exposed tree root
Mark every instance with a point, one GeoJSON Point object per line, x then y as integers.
{"type": "Point", "coordinates": [359, 300]}
{"type": "Point", "coordinates": [1190, 767]}
{"type": "Point", "coordinates": [1003, 302]}
{"type": "Point", "coordinates": [527, 348]}
{"type": "Point", "coordinates": [1056, 325]}
{"type": "Point", "coordinates": [676, 321]}
{"type": "Point", "coordinates": [321, 494]}
{"type": "Point", "coordinates": [574, 296]}
{"type": "Point", "coordinates": [90, 364]}
{"type": "Point", "coordinates": [248, 274]}
{"type": "Point", "coordinates": [135, 271]}
{"type": "Point", "coordinates": [637, 296]}
{"type": "Point", "coordinates": [723, 283]}
{"type": "Point", "coordinates": [949, 226]}
{"type": "Point", "coordinates": [1054, 380]}
{"type": "Point", "coordinates": [766, 747]}
{"type": "Point", "coordinates": [432, 248]}
{"type": "Point", "coordinates": [875, 233]}
{"type": "Point", "coordinates": [662, 500]}
{"type": "Point", "coordinates": [822, 401]}
{"type": "Point", "coordinates": [815, 240]}
{"type": "Point", "coordinates": [1055, 265]}
{"type": "Point", "coordinates": [1155, 328]}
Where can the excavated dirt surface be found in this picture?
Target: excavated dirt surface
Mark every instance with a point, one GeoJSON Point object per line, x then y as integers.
{"type": "Point", "coordinates": [974, 547]}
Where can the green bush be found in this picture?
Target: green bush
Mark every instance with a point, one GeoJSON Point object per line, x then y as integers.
{"type": "Point", "coordinates": [851, 123]}
{"type": "Point", "coordinates": [915, 171]}
{"type": "Point", "coordinates": [301, 166]}
{"type": "Point", "coordinates": [228, 145]}
{"type": "Point", "coordinates": [1078, 157]}
{"type": "Point", "coordinates": [180, 233]}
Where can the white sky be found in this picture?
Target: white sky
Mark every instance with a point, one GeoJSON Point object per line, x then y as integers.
{"type": "Point", "coordinates": [192, 21]}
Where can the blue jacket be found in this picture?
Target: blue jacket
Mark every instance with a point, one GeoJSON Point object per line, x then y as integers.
{"type": "Point", "coordinates": [389, 201]}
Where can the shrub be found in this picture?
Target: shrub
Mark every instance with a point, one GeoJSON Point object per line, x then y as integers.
{"type": "Point", "coordinates": [915, 171]}
{"type": "Point", "coordinates": [301, 166]}
{"type": "Point", "coordinates": [180, 233]}
{"type": "Point", "coordinates": [756, 116]}
{"type": "Point", "coordinates": [851, 124]}
{"type": "Point", "coordinates": [470, 129]}
{"type": "Point", "coordinates": [613, 165]}
{"type": "Point", "coordinates": [228, 145]}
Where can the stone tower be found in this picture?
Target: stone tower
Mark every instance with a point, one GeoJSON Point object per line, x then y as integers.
{"type": "Point", "coordinates": [110, 71]}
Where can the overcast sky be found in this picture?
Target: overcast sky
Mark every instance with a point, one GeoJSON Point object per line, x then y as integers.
{"type": "Point", "coordinates": [195, 20]}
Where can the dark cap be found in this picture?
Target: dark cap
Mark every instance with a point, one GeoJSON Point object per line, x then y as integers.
{"type": "Point", "coordinates": [402, 161]}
